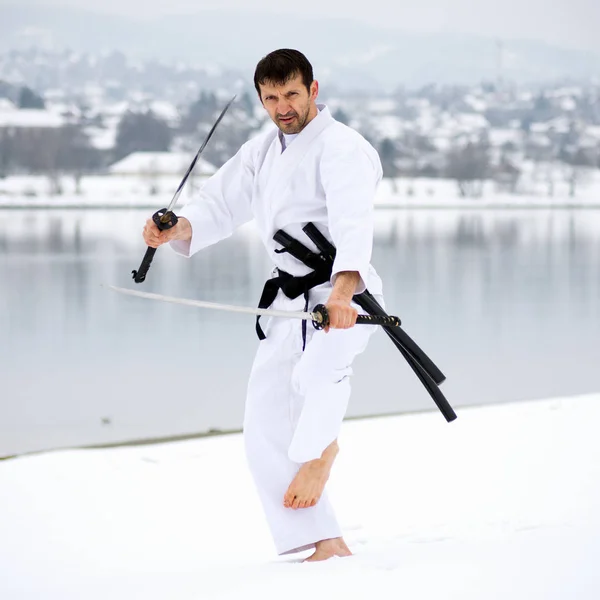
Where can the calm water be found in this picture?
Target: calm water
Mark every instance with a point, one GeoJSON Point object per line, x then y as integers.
{"type": "Point", "coordinates": [507, 303]}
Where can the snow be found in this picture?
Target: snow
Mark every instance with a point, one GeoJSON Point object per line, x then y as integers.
{"type": "Point", "coordinates": [500, 504]}
{"type": "Point", "coordinates": [160, 163]}
{"type": "Point", "coordinates": [382, 107]}
{"type": "Point", "coordinates": [539, 127]}
{"type": "Point", "coordinates": [477, 104]}
{"type": "Point", "coordinates": [166, 111]}
{"type": "Point", "coordinates": [6, 105]}
{"type": "Point", "coordinates": [388, 126]}
{"type": "Point", "coordinates": [142, 184]}
{"type": "Point", "coordinates": [499, 137]}
{"type": "Point", "coordinates": [30, 117]}
{"type": "Point", "coordinates": [568, 104]}
{"type": "Point", "coordinates": [102, 138]}
{"type": "Point", "coordinates": [471, 122]}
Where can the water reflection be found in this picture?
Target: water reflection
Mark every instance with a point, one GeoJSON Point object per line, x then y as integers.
{"type": "Point", "coordinates": [506, 302]}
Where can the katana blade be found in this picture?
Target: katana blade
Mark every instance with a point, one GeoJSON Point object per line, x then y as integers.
{"type": "Point", "coordinates": [319, 316]}
{"type": "Point", "coordinates": [193, 164]}
{"type": "Point", "coordinates": [267, 312]}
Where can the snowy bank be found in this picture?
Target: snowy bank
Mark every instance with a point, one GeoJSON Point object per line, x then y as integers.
{"type": "Point", "coordinates": [500, 504]}
{"type": "Point", "coordinates": [155, 191]}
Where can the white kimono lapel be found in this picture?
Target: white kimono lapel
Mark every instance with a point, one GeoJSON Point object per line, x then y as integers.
{"type": "Point", "coordinates": [285, 163]}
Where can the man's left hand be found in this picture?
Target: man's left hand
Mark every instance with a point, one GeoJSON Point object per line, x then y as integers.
{"type": "Point", "coordinates": [341, 314]}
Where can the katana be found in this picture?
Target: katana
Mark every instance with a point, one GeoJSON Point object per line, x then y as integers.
{"type": "Point", "coordinates": [319, 316]}
{"type": "Point", "coordinates": [165, 218]}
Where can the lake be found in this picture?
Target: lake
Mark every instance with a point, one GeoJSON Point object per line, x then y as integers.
{"type": "Point", "coordinates": [506, 302]}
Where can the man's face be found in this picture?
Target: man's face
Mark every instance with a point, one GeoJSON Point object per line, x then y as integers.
{"type": "Point", "coordinates": [290, 105]}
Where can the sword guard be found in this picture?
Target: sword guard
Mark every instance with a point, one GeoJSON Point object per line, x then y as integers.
{"type": "Point", "coordinates": [322, 317]}
{"type": "Point", "coordinates": [164, 219]}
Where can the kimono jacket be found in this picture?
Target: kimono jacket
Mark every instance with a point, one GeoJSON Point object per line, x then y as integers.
{"type": "Point", "coordinates": [328, 176]}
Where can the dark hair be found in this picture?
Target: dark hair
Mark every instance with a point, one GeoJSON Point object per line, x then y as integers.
{"type": "Point", "coordinates": [280, 66]}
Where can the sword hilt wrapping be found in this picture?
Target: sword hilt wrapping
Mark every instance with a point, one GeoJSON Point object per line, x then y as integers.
{"type": "Point", "coordinates": [322, 320]}
{"type": "Point", "coordinates": [163, 219]}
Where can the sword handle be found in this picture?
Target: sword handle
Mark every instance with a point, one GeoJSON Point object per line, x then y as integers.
{"type": "Point", "coordinates": [383, 320]}
{"type": "Point", "coordinates": [322, 320]}
{"type": "Point", "coordinates": [163, 219]}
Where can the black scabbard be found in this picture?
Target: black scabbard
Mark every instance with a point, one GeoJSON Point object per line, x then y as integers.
{"type": "Point", "coordinates": [367, 301]}
{"type": "Point", "coordinates": [424, 368]}
{"type": "Point", "coordinates": [424, 375]}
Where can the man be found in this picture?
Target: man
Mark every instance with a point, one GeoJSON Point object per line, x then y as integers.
{"type": "Point", "coordinates": [310, 168]}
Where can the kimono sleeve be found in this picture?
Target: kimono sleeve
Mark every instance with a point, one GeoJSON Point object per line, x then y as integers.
{"type": "Point", "coordinates": [350, 177]}
{"type": "Point", "coordinates": [222, 205]}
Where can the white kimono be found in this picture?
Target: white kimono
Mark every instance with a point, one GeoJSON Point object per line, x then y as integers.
{"type": "Point", "coordinates": [296, 399]}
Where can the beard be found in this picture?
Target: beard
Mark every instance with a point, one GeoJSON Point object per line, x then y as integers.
{"type": "Point", "coordinates": [296, 125]}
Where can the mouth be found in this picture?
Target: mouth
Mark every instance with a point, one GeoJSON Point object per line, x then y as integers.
{"type": "Point", "coordinates": [286, 120]}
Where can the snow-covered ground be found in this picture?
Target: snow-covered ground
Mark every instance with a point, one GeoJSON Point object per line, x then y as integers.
{"type": "Point", "coordinates": [501, 504]}
{"type": "Point", "coordinates": [156, 191]}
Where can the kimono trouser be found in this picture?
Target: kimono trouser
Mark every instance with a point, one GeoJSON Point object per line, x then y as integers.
{"type": "Point", "coordinates": [294, 409]}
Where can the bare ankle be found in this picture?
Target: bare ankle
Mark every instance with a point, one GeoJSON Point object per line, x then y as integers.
{"type": "Point", "coordinates": [330, 453]}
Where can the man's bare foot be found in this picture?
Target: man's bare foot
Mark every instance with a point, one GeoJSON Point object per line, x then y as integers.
{"type": "Point", "coordinates": [308, 484]}
{"type": "Point", "coordinates": [328, 549]}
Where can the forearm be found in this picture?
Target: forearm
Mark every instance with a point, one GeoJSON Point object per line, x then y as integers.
{"type": "Point", "coordinates": [345, 286]}
{"type": "Point", "coordinates": [183, 230]}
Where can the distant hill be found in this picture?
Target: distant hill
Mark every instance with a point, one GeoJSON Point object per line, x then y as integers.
{"type": "Point", "coordinates": [345, 53]}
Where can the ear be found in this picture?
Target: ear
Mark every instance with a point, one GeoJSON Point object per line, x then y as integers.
{"type": "Point", "coordinates": [314, 90]}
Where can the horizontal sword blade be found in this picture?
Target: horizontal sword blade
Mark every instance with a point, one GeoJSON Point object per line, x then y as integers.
{"type": "Point", "coordinates": [267, 312]}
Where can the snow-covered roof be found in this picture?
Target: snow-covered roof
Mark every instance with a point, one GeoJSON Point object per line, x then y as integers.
{"type": "Point", "coordinates": [160, 163]}
{"type": "Point", "coordinates": [499, 137]}
{"type": "Point", "coordinates": [165, 110]}
{"type": "Point", "coordinates": [563, 92]}
{"type": "Point", "coordinates": [381, 107]}
{"type": "Point", "coordinates": [472, 121]}
{"type": "Point", "coordinates": [387, 126]}
{"type": "Point", "coordinates": [539, 127]}
{"type": "Point", "coordinates": [442, 143]}
{"type": "Point", "coordinates": [475, 103]}
{"type": "Point", "coordinates": [593, 131]}
{"type": "Point", "coordinates": [539, 139]}
{"type": "Point", "coordinates": [568, 104]}
{"type": "Point", "coordinates": [102, 138]}
{"type": "Point", "coordinates": [6, 104]}
{"type": "Point", "coordinates": [65, 109]}
{"type": "Point", "coordinates": [560, 124]}
{"type": "Point", "coordinates": [30, 118]}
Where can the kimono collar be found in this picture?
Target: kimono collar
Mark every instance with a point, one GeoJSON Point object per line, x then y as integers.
{"type": "Point", "coordinates": [317, 122]}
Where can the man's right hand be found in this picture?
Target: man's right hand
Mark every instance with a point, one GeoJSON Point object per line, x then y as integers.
{"type": "Point", "coordinates": [154, 237]}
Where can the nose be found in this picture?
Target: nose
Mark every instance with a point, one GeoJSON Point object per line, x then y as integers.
{"type": "Point", "coordinates": [283, 107]}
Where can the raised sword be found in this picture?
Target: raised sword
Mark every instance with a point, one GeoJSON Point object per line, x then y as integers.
{"type": "Point", "coordinates": [165, 218]}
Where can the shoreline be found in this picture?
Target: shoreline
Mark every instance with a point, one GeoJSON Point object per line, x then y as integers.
{"type": "Point", "coordinates": [378, 207]}
{"type": "Point", "coordinates": [184, 437]}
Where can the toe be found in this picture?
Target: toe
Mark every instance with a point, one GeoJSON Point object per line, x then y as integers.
{"type": "Point", "coordinates": [296, 502]}
{"type": "Point", "coordinates": [288, 498]}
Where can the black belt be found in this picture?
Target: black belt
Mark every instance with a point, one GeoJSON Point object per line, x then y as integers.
{"type": "Point", "coordinates": [292, 287]}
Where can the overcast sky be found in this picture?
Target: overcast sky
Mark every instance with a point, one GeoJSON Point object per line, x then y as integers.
{"type": "Point", "coordinates": [570, 23]}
